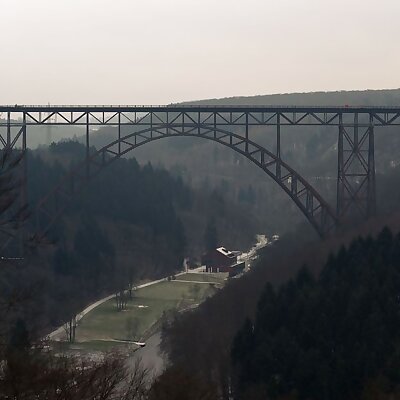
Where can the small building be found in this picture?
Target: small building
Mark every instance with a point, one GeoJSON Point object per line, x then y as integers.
{"type": "Point", "coordinates": [223, 260]}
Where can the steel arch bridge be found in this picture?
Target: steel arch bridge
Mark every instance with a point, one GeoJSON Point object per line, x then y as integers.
{"type": "Point", "coordinates": [227, 125]}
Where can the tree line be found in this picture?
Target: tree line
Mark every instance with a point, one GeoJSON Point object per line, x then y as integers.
{"type": "Point", "coordinates": [334, 336]}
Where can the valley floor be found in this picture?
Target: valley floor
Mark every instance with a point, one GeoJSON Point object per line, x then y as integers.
{"type": "Point", "coordinates": [101, 327]}
{"type": "Point", "coordinates": [104, 328]}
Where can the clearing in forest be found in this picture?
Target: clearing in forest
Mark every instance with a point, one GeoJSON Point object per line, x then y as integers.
{"type": "Point", "coordinates": [105, 327]}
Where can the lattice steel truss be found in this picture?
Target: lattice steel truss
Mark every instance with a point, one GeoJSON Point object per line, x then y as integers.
{"type": "Point", "coordinates": [227, 125]}
{"type": "Point", "coordinates": [356, 169]}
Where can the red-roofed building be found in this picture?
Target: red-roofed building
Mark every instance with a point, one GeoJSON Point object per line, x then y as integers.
{"type": "Point", "coordinates": [222, 260]}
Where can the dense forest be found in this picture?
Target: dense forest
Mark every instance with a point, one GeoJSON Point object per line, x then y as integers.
{"type": "Point", "coordinates": [132, 223]}
{"type": "Point", "coordinates": [331, 337]}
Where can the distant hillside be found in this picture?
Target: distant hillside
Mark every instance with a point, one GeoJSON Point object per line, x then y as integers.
{"type": "Point", "coordinates": [312, 151]}
{"type": "Point", "coordinates": [385, 97]}
{"type": "Point", "coordinates": [143, 195]}
{"type": "Point", "coordinates": [131, 223]}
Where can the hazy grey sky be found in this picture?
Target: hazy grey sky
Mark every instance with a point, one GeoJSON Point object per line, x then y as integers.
{"type": "Point", "coordinates": [161, 51]}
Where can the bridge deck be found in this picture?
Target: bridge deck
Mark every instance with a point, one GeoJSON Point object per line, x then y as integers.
{"type": "Point", "coordinates": [195, 115]}
{"type": "Point", "coordinates": [200, 108]}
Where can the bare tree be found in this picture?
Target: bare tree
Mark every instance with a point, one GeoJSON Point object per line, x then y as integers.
{"type": "Point", "coordinates": [26, 371]}
{"type": "Point", "coordinates": [70, 328]}
{"type": "Point", "coordinates": [65, 378]}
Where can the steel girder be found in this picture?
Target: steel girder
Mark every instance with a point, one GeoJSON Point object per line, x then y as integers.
{"type": "Point", "coordinates": [317, 211]}
{"type": "Point", "coordinates": [356, 168]}
{"type": "Point", "coordinates": [223, 115]}
{"type": "Point", "coordinates": [13, 141]}
{"type": "Point", "coordinates": [356, 191]}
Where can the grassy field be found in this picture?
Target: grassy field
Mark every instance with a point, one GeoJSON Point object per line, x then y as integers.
{"type": "Point", "coordinates": [105, 327]}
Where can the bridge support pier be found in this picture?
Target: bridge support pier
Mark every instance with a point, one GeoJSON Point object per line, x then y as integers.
{"type": "Point", "coordinates": [87, 146]}
{"type": "Point", "coordinates": [278, 145]}
{"type": "Point", "coordinates": [356, 193]}
{"type": "Point", "coordinates": [13, 146]}
{"type": "Point", "coordinates": [24, 190]}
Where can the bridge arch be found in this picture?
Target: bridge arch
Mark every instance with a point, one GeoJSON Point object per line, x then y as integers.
{"type": "Point", "coordinates": [317, 211]}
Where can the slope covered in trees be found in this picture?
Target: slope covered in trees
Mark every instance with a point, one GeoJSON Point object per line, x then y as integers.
{"type": "Point", "coordinates": [131, 223]}
{"type": "Point", "coordinates": [205, 337]}
{"type": "Point", "coordinates": [331, 337]}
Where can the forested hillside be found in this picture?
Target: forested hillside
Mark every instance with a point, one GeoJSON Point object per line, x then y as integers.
{"type": "Point", "coordinates": [310, 150]}
{"type": "Point", "coordinates": [204, 338]}
{"type": "Point", "coordinates": [131, 223]}
{"type": "Point", "coordinates": [331, 337]}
